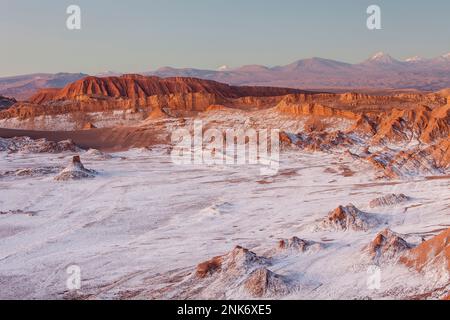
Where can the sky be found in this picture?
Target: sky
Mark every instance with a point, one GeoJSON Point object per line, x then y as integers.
{"type": "Point", "coordinates": [143, 35]}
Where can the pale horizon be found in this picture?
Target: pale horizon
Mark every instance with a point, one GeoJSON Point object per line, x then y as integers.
{"type": "Point", "coordinates": [154, 34]}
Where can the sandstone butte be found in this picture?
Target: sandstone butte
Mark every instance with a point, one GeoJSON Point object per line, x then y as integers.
{"type": "Point", "coordinates": [93, 94]}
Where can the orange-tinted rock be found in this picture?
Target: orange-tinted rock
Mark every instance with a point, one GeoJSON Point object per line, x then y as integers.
{"type": "Point", "coordinates": [157, 113]}
{"type": "Point", "coordinates": [93, 94]}
{"type": "Point", "coordinates": [216, 107]}
{"type": "Point", "coordinates": [140, 87]}
{"type": "Point", "coordinates": [263, 282]}
{"type": "Point", "coordinates": [289, 106]}
{"type": "Point", "coordinates": [387, 245]}
{"type": "Point", "coordinates": [44, 95]}
{"type": "Point", "coordinates": [348, 218]}
{"type": "Point", "coordinates": [431, 256]}
{"type": "Point", "coordinates": [422, 121]}
{"type": "Point", "coordinates": [241, 269]}
{"type": "Point", "coordinates": [209, 267]}
{"type": "Point", "coordinates": [88, 126]}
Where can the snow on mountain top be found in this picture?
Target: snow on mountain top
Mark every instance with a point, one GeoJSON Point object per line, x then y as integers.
{"type": "Point", "coordinates": [415, 59]}
{"type": "Point", "coordinates": [223, 68]}
{"type": "Point", "coordinates": [382, 57]}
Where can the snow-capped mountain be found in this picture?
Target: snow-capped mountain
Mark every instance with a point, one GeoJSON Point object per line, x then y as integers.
{"type": "Point", "coordinates": [415, 59]}
{"type": "Point", "coordinates": [378, 72]}
{"type": "Point", "coordinates": [382, 58]}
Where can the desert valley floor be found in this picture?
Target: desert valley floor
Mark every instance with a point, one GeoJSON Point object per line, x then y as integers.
{"type": "Point", "coordinates": [359, 207]}
{"type": "Point", "coordinates": [140, 227]}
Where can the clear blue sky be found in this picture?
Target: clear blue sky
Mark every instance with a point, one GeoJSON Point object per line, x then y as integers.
{"type": "Point", "coordinates": [142, 35]}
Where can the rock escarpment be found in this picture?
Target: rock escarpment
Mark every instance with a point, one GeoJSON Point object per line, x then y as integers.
{"type": "Point", "coordinates": [94, 94]}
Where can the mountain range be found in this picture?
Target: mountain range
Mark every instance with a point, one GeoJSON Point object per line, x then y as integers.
{"type": "Point", "coordinates": [23, 86]}
{"type": "Point", "coordinates": [379, 72]}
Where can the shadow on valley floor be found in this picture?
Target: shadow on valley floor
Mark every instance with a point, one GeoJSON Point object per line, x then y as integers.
{"type": "Point", "coordinates": [105, 139]}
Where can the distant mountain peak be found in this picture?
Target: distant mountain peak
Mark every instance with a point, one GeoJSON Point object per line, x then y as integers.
{"type": "Point", "coordinates": [166, 68]}
{"type": "Point", "coordinates": [253, 68]}
{"type": "Point", "coordinates": [415, 59]}
{"type": "Point", "coordinates": [109, 73]}
{"type": "Point", "coordinates": [446, 56]}
{"type": "Point", "coordinates": [223, 68]}
{"type": "Point", "coordinates": [381, 57]}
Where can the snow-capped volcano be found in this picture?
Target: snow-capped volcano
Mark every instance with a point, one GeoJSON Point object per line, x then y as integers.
{"type": "Point", "coordinates": [415, 59]}
{"type": "Point", "coordinates": [223, 68]}
{"type": "Point", "coordinates": [382, 58]}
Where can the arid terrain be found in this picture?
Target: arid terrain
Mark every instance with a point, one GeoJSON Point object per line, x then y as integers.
{"type": "Point", "coordinates": [359, 207]}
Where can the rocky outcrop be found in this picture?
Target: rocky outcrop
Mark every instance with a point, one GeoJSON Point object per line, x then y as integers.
{"type": "Point", "coordinates": [94, 154]}
{"type": "Point", "coordinates": [345, 218]}
{"type": "Point", "coordinates": [44, 95]}
{"type": "Point", "coordinates": [93, 94]}
{"type": "Point", "coordinates": [157, 113]}
{"type": "Point", "coordinates": [299, 245]}
{"type": "Point", "coordinates": [239, 273]}
{"type": "Point", "coordinates": [431, 257]}
{"type": "Point", "coordinates": [136, 87]}
{"type": "Point", "coordinates": [323, 141]}
{"type": "Point", "coordinates": [235, 262]}
{"type": "Point", "coordinates": [422, 122]}
{"type": "Point", "coordinates": [31, 172]}
{"type": "Point", "coordinates": [387, 245]}
{"type": "Point", "coordinates": [241, 270]}
{"type": "Point", "coordinates": [292, 105]}
{"type": "Point", "coordinates": [75, 171]}
{"type": "Point", "coordinates": [389, 200]}
{"type": "Point", "coordinates": [88, 126]}
{"type": "Point", "coordinates": [433, 159]}
{"type": "Point", "coordinates": [28, 145]}
{"type": "Point", "coordinates": [263, 282]}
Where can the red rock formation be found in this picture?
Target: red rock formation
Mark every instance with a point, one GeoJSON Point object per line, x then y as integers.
{"type": "Point", "coordinates": [387, 245]}
{"type": "Point", "coordinates": [241, 269]}
{"type": "Point", "coordinates": [431, 256]}
{"type": "Point", "coordinates": [140, 87]}
{"type": "Point", "coordinates": [217, 107]}
{"type": "Point", "coordinates": [157, 113]}
{"type": "Point", "coordinates": [238, 260]}
{"type": "Point", "coordinates": [433, 159]}
{"type": "Point", "coordinates": [93, 94]}
{"type": "Point", "coordinates": [44, 95]}
{"type": "Point", "coordinates": [88, 126]}
{"type": "Point", "coordinates": [263, 282]}
{"type": "Point", "coordinates": [313, 109]}
{"type": "Point", "coordinates": [348, 218]}
{"type": "Point", "coordinates": [421, 122]}
{"type": "Point", "coordinates": [209, 267]}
